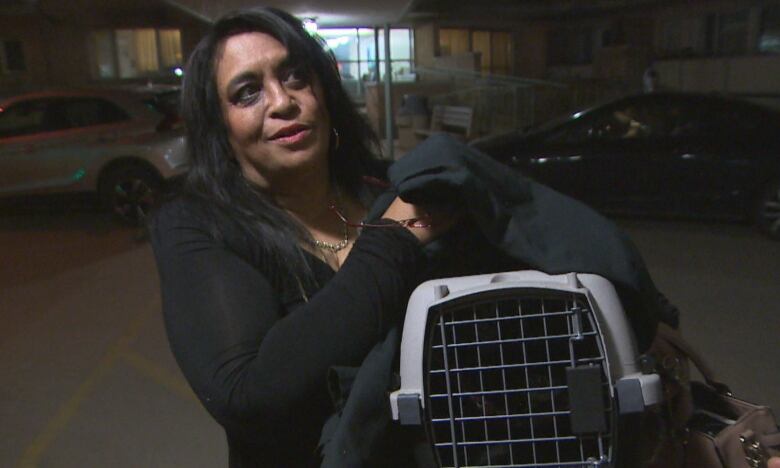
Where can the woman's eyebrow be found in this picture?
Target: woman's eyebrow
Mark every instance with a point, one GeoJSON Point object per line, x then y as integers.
{"type": "Point", "coordinates": [288, 63]}
{"type": "Point", "coordinates": [241, 78]}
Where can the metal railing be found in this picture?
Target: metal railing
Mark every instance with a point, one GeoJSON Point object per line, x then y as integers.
{"type": "Point", "coordinates": [500, 102]}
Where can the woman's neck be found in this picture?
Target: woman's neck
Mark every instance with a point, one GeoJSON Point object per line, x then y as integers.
{"type": "Point", "coordinates": [312, 209]}
{"type": "Point", "coordinates": [308, 205]}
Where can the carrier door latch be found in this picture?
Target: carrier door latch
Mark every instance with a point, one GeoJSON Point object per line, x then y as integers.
{"type": "Point", "coordinates": [637, 392]}
{"type": "Point", "coordinates": [405, 408]}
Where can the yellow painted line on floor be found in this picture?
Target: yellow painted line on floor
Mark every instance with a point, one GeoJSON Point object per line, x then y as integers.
{"type": "Point", "coordinates": [160, 375]}
{"type": "Point", "coordinates": [32, 454]}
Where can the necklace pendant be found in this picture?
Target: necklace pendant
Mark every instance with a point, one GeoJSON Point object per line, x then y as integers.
{"type": "Point", "coordinates": [332, 247]}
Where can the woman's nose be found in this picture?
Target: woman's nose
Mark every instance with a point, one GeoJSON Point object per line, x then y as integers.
{"type": "Point", "coordinates": [280, 102]}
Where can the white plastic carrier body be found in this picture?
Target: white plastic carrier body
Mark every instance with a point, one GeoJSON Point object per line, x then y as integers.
{"type": "Point", "coordinates": [620, 344]}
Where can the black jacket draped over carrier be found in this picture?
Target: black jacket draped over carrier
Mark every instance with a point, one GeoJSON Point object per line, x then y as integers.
{"type": "Point", "coordinates": [511, 222]}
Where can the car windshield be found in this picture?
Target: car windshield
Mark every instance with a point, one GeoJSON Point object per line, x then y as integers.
{"type": "Point", "coordinates": [567, 117]}
{"type": "Point", "coordinates": [166, 102]}
{"type": "Point", "coordinates": [555, 121]}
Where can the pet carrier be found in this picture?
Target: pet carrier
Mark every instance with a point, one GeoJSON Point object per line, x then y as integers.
{"type": "Point", "coordinates": [520, 369]}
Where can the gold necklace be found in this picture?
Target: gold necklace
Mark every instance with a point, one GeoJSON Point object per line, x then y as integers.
{"type": "Point", "coordinates": [333, 246]}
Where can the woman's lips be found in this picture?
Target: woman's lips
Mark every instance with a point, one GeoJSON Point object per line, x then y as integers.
{"type": "Point", "coordinates": [291, 135]}
{"type": "Point", "coordinates": [293, 138]}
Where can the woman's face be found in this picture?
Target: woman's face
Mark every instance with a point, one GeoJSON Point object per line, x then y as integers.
{"type": "Point", "coordinates": [275, 113]}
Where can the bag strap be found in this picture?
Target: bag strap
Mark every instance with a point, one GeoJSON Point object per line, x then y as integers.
{"type": "Point", "coordinates": [675, 339]}
{"type": "Point", "coordinates": [770, 440]}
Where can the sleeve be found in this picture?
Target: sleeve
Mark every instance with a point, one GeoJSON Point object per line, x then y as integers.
{"type": "Point", "coordinates": [247, 362]}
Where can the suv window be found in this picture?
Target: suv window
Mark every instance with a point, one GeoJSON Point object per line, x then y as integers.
{"type": "Point", "coordinates": [27, 118]}
{"type": "Point", "coordinates": [166, 103]}
{"type": "Point", "coordinates": [631, 121]}
{"type": "Point", "coordinates": [573, 132]}
{"type": "Point", "coordinates": [626, 120]}
{"type": "Point", "coordinates": [736, 119]}
{"type": "Point", "coordinates": [85, 112]}
{"type": "Point", "coordinates": [715, 120]}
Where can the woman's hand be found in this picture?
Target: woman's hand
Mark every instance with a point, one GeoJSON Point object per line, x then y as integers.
{"type": "Point", "coordinates": [436, 223]}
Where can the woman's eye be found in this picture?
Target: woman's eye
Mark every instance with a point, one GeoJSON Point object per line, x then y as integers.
{"type": "Point", "coordinates": [297, 78]}
{"type": "Point", "coordinates": [246, 95]}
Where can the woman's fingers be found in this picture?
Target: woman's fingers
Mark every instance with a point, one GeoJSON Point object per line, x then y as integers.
{"type": "Point", "coordinates": [425, 225]}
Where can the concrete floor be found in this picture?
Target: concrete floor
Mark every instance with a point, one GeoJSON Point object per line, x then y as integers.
{"type": "Point", "coordinates": [86, 378]}
{"type": "Point", "coordinates": [725, 279]}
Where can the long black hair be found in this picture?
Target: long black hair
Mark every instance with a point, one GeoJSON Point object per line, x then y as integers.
{"type": "Point", "coordinates": [215, 177]}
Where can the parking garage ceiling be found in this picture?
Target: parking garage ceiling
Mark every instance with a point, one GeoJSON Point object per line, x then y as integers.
{"type": "Point", "coordinates": [335, 13]}
{"type": "Point", "coordinates": [328, 13]}
{"type": "Point", "coordinates": [350, 13]}
{"type": "Point", "coordinates": [522, 9]}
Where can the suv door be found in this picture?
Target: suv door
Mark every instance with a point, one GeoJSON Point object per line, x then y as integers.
{"type": "Point", "coordinates": [26, 129]}
{"type": "Point", "coordinates": [718, 151]}
{"type": "Point", "coordinates": [614, 156]}
{"type": "Point", "coordinates": [52, 144]}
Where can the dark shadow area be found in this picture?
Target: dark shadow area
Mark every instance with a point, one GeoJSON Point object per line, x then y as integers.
{"type": "Point", "coordinates": [43, 236]}
{"type": "Point", "coordinates": [685, 223]}
{"type": "Point", "coordinates": [48, 204]}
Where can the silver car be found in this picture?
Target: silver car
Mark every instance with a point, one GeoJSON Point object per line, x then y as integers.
{"type": "Point", "coordinates": [123, 145]}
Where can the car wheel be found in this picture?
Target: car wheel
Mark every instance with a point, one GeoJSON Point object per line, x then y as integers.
{"type": "Point", "coordinates": [768, 213]}
{"type": "Point", "coordinates": [130, 192]}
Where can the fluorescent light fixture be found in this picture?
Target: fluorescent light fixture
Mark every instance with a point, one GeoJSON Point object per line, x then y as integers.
{"type": "Point", "coordinates": [334, 42]}
{"type": "Point", "coordinates": [310, 25]}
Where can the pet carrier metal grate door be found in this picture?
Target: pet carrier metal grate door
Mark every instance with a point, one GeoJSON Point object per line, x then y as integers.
{"type": "Point", "coordinates": [517, 369]}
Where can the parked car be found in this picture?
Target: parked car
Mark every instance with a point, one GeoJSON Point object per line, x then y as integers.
{"type": "Point", "coordinates": [120, 144]}
{"type": "Point", "coordinates": [678, 154]}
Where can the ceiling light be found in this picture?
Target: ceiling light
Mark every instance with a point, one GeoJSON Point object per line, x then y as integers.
{"type": "Point", "coordinates": [310, 25]}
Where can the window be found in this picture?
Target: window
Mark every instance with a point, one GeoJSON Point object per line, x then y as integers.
{"type": "Point", "coordinates": [494, 47]}
{"type": "Point", "coordinates": [401, 53]}
{"type": "Point", "coordinates": [570, 46]}
{"type": "Point", "coordinates": [27, 118]}
{"type": "Point", "coordinates": [769, 39]}
{"type": "Point", "coordinates": [501, 53]}
{"type": "Point", "coordinates": [453, 41]}
{"type": "Point", "coordinates": [359, 51]}
{"type": "Point", "coordinates": [170, 47]}
{"type": "Point", "coordinates": [574, 132]}
{"type": "Point", "coordinates": [137, 52]}
{"type": "Point", "coordinates": [729, 120]}
{"type": "Point", "coordinates": [11, 56]}
{"type": "Point", "coordinates": [732, 32]}
{"type": "Point", "coordinates": [682, 36]}
{"type": "Point", "coordinates": [90, 111]}
{"type": "Point", "coordinates": [625, 121]}
{"type": "Point", "coordinates": [21, 119]}
{"type": "Point", "coordinates": [48, 115]}
{"type": "Point", "coordinates": [713, 34]}
{"type": "Point", "coordinates": [613, 36]}
{"type": "Point", "coordinates": [133, 53]}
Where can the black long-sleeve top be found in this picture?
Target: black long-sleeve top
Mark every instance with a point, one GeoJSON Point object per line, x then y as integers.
{"type": "Point", "coordinates": [257, 358]}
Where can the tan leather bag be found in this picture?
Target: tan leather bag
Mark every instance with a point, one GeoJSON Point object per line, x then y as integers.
{"type": "Point", "coordinates": [707, 426]}
{"type": "Point", "coordinates": [728, 432]}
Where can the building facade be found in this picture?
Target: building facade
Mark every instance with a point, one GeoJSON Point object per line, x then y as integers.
{"type": "Point", "coordinates": [49, 43]}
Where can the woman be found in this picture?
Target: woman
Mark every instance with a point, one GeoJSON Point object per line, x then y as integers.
{"type": "Point", "coordinates": [265, 286]}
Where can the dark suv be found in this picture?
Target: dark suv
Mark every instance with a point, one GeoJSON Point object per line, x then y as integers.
{"type": "Point", "coordinates": [663, 153]}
